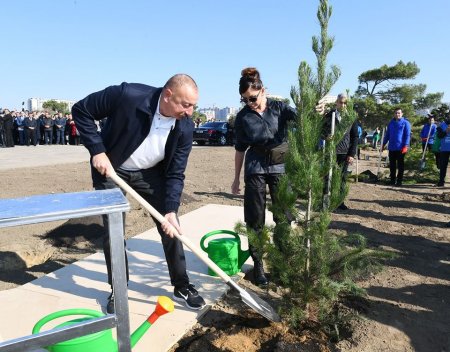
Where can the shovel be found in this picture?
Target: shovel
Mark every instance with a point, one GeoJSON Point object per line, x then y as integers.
{"type": "Point", "coordinates": [249, 298]}
{"type": "Point", "coordinates": [379, 156]}
{"type": "Point", "coordinates": [422, 160]}
{"type": "Point", "coordinates": [357, 168]}
{"type": "Point", "coordinates": [327, 195]}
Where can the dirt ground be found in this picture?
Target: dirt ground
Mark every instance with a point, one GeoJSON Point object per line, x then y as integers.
{"type": "Point", "coordinates": [407, 307]}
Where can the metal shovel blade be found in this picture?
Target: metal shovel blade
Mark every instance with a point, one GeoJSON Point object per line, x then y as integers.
{"type": "Point", "coordinates": [259, 305]}
{"type": "Point", "coordinates": [422, 165]}
{"type": "Point", "coordinates": [250, 299]}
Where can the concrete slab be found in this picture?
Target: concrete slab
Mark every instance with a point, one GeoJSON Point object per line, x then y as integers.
{"type": "Point", "coordinates": [83, 284]}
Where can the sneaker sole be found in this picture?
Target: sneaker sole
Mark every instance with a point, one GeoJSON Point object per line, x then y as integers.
{"type": "Point", "coordinates": [179, 299]}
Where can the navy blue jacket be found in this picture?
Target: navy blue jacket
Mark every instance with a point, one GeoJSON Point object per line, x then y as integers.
{"type": "Point", "coordinates": [60, 121]}
{"type": "Point", "coordinates": [348, 145]}
{"type": "Point", "coordinates": [129, 109]}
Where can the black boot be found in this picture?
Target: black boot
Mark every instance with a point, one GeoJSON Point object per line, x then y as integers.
{"type": "Point", "coordinates": [258, 274]}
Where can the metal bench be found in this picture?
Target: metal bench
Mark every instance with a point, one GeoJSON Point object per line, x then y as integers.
{"type": "Point", "coordinates": [53, 207]}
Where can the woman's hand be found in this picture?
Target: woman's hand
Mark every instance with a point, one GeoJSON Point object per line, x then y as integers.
{"type": "Point", "coordinates": [235, 187]}
{"type": "Point", "coordinates": [350, 160]}
{"type": "Point", "coordinates": [238, 161]}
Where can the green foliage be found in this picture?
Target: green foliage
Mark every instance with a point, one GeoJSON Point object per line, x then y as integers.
{"type": "Point", "coordinates": [54, 106]}
{"type": "Point", "coordinates": [414, 173]}
{"type": "Point", "coordinates": [440, 112]}
{"type": "Point", "coordinates": [334, 261]}
{"type": "Point", "coordinates": [429, 100]}
{"type": "Point", "coordinates": [384, 74]}
{"type": "Point", "coordinates": [313, 266]}
{"type": "Point", "coordinates": [284, 100]}
{"type": "Point", "coordinates": [379, 93]}
{"type": "Point", "coordinates": [198, 117]}
{"type": "Point", "coordinates": [403, 94]}
{"type": "Point", "coordinates": [232, 120]}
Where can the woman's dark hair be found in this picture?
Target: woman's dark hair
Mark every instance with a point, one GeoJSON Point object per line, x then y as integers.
{"type": "Point", "coordinates": [249, 78]}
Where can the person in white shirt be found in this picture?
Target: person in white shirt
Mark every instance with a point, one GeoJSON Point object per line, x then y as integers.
{"type": "Point", "coordinates": [146, 139]}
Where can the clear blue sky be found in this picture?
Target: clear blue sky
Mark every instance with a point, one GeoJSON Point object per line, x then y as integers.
{"type": "Point", "coordinates": [67, 49]}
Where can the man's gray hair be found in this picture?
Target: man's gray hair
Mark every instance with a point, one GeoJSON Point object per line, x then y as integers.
{"type": "Point", "coordinates": [179, 80]}
{"type": "Point", "coordinates": [341, 96]}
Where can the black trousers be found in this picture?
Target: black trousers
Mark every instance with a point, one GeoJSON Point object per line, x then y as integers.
{"type": "Point", "coordinates": [444, 157]}
{"type": "Point", "coordinates": [9, 138]}
{"type": "Point", "coordinates": [341, 159]}
{"type": "Point", "coordinates": [150, 184]}
{"type": "Point", "coordinates": [396, 161]}
{"type": "Point", "coordinates": [48, 136]}
{"type": "Point", "coordinates": [30, 135]}
{"type": "Point", "coordinates": [255, 202]}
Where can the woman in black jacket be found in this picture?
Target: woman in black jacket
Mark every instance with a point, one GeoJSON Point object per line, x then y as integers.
{"type": "Point", "coordinates": [261, 131]}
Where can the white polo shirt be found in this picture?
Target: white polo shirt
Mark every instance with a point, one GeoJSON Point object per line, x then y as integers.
{"type": "Point", "coordinates": [151, 150]}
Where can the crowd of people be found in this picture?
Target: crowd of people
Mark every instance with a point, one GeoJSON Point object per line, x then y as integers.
{"type": "Point", "coordinates": [37, 128]}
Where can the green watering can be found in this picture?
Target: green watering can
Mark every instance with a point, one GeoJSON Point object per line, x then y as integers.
{"type": "Point", "coordinates": [101, 341]}
{"type": "Point", "coordinates": [225, 252]}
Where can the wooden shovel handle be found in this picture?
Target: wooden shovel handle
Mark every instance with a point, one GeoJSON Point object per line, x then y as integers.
{"type": "Point", "coordinates": [185, 240]}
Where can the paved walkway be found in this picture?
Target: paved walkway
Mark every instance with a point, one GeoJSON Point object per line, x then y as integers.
{"type": "Point", "coordinates": [41, 155]}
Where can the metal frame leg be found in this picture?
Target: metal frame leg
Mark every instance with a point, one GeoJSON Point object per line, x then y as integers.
{"type": "Point", "coordinates": [119, 281]}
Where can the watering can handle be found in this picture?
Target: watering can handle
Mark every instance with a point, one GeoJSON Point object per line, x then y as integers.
{"type": "Point", "coordinates": [219, 232]}
{"type": "Point", "coordinates": [63, 313]}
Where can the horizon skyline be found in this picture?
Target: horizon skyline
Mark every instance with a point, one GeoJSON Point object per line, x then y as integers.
{"type": "Point", "coordinates": [423, 111]}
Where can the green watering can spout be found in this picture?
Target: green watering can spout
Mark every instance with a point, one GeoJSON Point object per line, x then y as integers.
{"type": "Point", "coordinates": [101, 341]}
{"type": "Point", "coordinates": [163, 306]}
{"type": "Point", "coordinates": [226, 252]}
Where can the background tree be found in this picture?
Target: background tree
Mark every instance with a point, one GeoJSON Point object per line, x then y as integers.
{"type": "Point", "coordinates": [429, 100]}
{"type": "Point", "coordinates": [379, 91]}
{"type": "Point", "coordinates": [284, 100]}
{"type": "Point", "coordinates": [440, 112]}
{"type": "Point", "coordinates": [198, 117]}
{"type": "Point", "coordinates": [231, 120]}
{"type": "Point", "coordinates": [55, 106]}
{"type": "Point", "coordinates": [378, 81]}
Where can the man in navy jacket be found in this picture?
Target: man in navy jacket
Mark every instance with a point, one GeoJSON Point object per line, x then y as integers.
{"type": "Point", "coordinates": [146, 139]}
{"type": "Point", "coordinates": [346, 148]}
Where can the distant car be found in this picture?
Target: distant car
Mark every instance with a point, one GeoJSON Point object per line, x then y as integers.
{"type": "Point", "coordinates": [369, 137]}
{"type": "Point", "coordinates": [214, 133]}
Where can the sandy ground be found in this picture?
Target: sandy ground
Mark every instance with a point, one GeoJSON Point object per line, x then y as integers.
{"type": "Point", "coordinates": [407, 308]}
